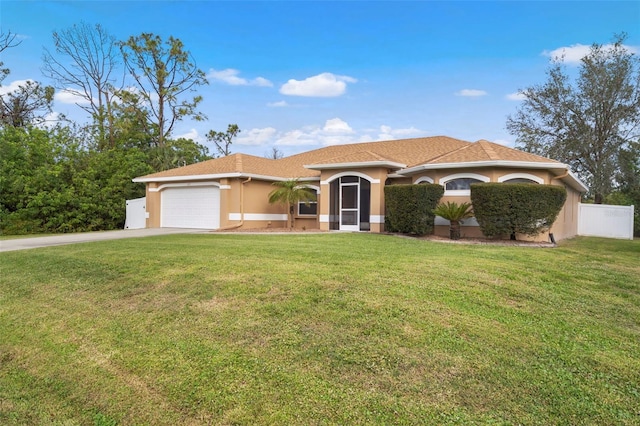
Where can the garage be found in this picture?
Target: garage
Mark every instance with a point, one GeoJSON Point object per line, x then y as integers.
{"type": "Point", "coordinates": [190, 207]}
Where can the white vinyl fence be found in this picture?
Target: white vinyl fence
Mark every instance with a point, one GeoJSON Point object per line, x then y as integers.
{"type": "Point", "coordinates": [602, 220]}
{"type": "Point", "coordinates": [136, 214]}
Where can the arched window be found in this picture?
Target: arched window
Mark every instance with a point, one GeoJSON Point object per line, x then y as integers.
{"type": "Point", "coordinates": [460, 183]}
{"type": "Point", "coordinates": [520, 180]}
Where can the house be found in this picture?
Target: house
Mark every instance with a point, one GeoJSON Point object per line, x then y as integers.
{"type": "Point", "coordinates": [232, 192]}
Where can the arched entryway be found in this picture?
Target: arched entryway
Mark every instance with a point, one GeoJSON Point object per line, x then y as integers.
{"type": "Point", "coordinates": [350, 204]}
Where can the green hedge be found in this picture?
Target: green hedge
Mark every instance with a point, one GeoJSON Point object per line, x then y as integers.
{"type": "Point", "coordinates": [510, 208]}
{"type": "Point", "coordinates": [410, 207]}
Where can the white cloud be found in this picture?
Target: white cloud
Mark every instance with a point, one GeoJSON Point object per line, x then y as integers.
{"type": "Point", "coordinates": [298, 137]}
{"type": "Point", "coordinates": [70, 96]}
{"type": "Point", "coordinates": [573, 54]}
{"type": "Point", "coordinates": [321, 85]}
{"type": "Point", "coordinates": [470, 93]}
{"type": "Point", "coordinates": [504, 142]}
{"type": "Point", "coordinates": [336, 125]}
{"type": "Point", "coordinates": [14, 85]}
{"type": "Point", "coordinates": [388, 133]}
{"type": "Point", "coordinates": [230, 77]}
{"type": "Point", "coordinates": [256, 136]}
{"type": "Point", "coordinates": [278, 104]}
{"type": "Point", "coordinates": [517, 96]}
{"type": "Point", "coordinates": [193, 135]}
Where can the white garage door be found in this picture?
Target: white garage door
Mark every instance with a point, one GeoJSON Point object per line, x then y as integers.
{"type": "Point", "coordinates": [191, 207]}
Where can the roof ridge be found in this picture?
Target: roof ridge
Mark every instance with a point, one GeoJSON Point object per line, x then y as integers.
{"type": "Point", "coordinates": [462, 148]}
{"type": "Point", "coordinates": [487, 147]}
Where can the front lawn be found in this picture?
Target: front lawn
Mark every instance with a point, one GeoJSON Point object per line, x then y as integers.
{"type": "Point", "coordinates": [320, 329]}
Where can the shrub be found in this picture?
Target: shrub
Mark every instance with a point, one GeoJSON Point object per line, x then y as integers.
{"type": "Point", "coordinates": [507, 209]}
{"type": "Point", "coordinates": [455, 213]}
{"type": "Point", "coordinates": [410, 207]}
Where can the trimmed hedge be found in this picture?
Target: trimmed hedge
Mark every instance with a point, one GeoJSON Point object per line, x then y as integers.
{"type": "Point", "coordinates": [510, 208]}
{"type": "Point", "coordinates": [410, 207]}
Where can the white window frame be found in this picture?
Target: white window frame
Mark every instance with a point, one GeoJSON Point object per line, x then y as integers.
{"type": "Point", "coordinates": [531, 177]}
{"type": "Point", "coordinates": [423, 179]}
{"type": "Point", "coordinates": [460, 192]}
{"type": "Point", "coordinates": [317, 189]}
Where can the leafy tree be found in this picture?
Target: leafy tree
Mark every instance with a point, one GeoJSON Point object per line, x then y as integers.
{"type": "Point", "coordinates": [177, 153]}
{"type": "Point", "coordinates": [164, 72]}
{"type": "Point", "coordinates": [86, 66]}
{"type": "Point", "coordinates": [455, 213]}
{"type": "Point", "coordinates": [290, 193]}
{"type": "Point", "coordinates": [223, 140]}
{"type": "Point", "coordinates": [28, 104]}
{"type": "Point", "coordinates": [587, 122]}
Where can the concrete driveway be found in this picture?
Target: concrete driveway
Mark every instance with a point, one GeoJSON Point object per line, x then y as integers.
{"type": "Point", "coordinates": [85, 237]}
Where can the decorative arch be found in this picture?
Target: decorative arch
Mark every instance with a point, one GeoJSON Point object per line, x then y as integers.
{"type": "Point", "coordinates": [461, 192]}
{"type": "Point", "coordinates": [347, 173]}
{"type": "Point", "coordinates": [527, 176]}
{"type": "Point", "coordinates": [423, 179]}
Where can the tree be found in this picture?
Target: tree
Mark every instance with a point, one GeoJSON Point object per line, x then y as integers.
{"type": "Point", "coordinates": [28, 104]}
{"type": "Point", "coordinates": [455, 213]}
{"type": "Point", "coordinates": [274, 154]}
{"type": "Point", "coordinates": [7, 40]}
{"type": "Point", "coordinates": [587, 122]}
{"type": "Point", "coordinates": [87, 69]}
{"type": "Point", "coordinates": [224, 140]}
{"type": "Point", "coordinates": [164, 72]}
{"type": "Point", "coordinates": [290, 193]}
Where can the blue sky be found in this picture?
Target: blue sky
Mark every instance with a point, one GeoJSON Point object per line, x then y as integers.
{"type": "Point", "coordinates": [302, 75]}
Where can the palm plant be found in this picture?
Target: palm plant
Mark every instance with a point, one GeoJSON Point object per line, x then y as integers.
{"type": "Point", "coordinates": [455, 213]}
{"type": "Point", "coordinates": [291, 192]}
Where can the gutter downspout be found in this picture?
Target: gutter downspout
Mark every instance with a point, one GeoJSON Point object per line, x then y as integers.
{"type": "Point", "coordinates": [238, 225]}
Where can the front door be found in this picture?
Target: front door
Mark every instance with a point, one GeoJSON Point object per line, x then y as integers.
{"type": "Point", "coordinates": [349, 205]}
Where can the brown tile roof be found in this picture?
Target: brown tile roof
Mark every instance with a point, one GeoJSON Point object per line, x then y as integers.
{"type": "Point", "coordinates": [411, 152]}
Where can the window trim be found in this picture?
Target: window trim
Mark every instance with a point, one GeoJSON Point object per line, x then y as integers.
{"type": "Point", "coordinates": [529, 176]}
{"type": "Point", "coordinates": [460, 192]}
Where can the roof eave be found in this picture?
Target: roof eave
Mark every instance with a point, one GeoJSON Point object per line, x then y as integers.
{"type": "Point", "coordinates": [218, 176]}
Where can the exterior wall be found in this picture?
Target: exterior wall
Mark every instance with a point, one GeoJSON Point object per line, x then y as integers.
{"type": "Point", "coordinates": [564, 227]}
{"type": "Point", "coordinates": [376, 175]}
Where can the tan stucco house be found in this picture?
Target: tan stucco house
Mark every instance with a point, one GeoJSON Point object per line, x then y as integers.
{"type": "Point", "coordinates": [232, 192]}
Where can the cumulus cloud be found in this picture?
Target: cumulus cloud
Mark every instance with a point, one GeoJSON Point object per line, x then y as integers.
{"type": "Point", "coordinates": [321, 85]}
{"type": "Point", "coordinates": [192, 134]}
{"type": "Point", "coordinates": [336, 125]}
{"type": "Point", "coordinates": [517, 96]}
{"type": "Point", "coordinates": [471, 93]}
{"type": "Point", "coordinates": [70, 96]}
{"type": "Point", "coordinates": [388, 133]}
{"type": "Point", "coordinates": [14, 85]}
{"type": "Point", "coordinates": [256, 136]}
{"type": "Point", "coordinates": [231, 77]}
{"type": "Point", "coordinates": [573, 54]}
{"type": "Point", "coordinates": [279, 104]}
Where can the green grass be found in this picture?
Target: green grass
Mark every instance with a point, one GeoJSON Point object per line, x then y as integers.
{"type": "Point", "coordinates": [318, 330]}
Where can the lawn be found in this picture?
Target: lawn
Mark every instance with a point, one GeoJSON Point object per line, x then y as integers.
{"type": "Point", "coordinates": [318, 330]}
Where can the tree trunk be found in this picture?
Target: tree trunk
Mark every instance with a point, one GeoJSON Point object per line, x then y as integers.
{"type": "Point", "coordinates": [454, 230]}
{"type": "Point", "coordinates": [291, 219]}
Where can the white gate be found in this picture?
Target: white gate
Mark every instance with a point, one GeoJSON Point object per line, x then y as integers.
{"type": "Point", "coordinates": [136, 214]}
{"type": "Point", "coordinates": [602, 220]}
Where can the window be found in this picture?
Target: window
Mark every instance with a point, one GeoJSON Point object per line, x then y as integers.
{"type": "Point", "coordinates": [520, 180]}
{"type": "Point", "coordinates": [460, 184]}
{"type": "Point", "coordinates": [309, 209]}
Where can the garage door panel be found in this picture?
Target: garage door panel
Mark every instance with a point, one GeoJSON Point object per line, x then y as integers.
{"type": "Point", "coordinates": [191, 207]}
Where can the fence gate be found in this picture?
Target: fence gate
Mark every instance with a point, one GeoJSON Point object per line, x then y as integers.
{"type": "Point", "coordinates": [602, 220]}
{"type": "Point", "coordinates": [136, 214]}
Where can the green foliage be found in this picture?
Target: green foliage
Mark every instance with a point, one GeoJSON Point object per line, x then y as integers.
{"type": "Point", "coordinates": [455, 213]}
{"type": "Point", "coordinates": [586, 122]}
{"type": "Point", "coordinates": [409, 208]}
{"type": "Point", "coordinates": [507, 209]}
{"type": "Point", "coordinates": [223, 140]}
{"type": "Point", "coordinates": [165, 73]}
{"type": "Point", "coordinates": [291, 192]}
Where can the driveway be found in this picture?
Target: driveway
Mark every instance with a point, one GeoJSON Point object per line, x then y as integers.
{"type": "Point", "coordinates": [85, 237]}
